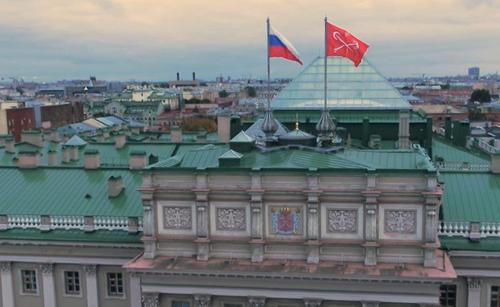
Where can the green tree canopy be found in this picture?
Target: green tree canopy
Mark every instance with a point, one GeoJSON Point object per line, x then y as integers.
{"type": "Point", "coordinates": [223, 94]}
{"type": "Point", "coordinates": [480, 96]}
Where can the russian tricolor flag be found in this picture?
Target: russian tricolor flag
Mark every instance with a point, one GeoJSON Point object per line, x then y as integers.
{"type": "Point", "coordinates": [280, 47]}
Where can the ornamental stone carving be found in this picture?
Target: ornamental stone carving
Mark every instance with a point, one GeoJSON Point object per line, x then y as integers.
{"type": "Point", "coordinates": [90, 269]}
{"type": "Point", "coordinates": [47, 268]}
{"type": "Point", "coordinates": [5, 266]}
{"type": "Point", "coordinates": [342, 220]}
{"type": "Point", "coordinates": [150, 300]}
{"type": "Point", "coordinates": [201, 300]}
{"type": "Point", "coordinates": [177, 218]}
{"type": "Point", "coordinates": [231, 219]}
{"type": "Point", "coordinates": [401, 221]}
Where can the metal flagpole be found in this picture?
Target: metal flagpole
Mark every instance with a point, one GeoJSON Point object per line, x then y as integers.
{"type": "Point", "coordinates": [268, 69]}
{"type": "Point", "coordinates": [326, 42]}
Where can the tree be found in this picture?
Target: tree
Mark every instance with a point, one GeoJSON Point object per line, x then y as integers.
{"type": "Point", "coordinates": [251, 92]}
{"type": "Point", "coordinates": [223, 94]}
{"type": "Point", "coordinates": [20, 90]}
{"type": "Point", "coordinates": [480, 95]}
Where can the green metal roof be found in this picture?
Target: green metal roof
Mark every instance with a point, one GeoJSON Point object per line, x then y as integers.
{"type": "Point", "coordinates": [75, 140]}
{"type": "Point", "coordinates": [471, 196]}
{"type": "Point", "coordinates": [451, 153]}
{"type": "Point", "coordinates": [349, 88]}
{"type": "Point", "coordinates": [68, 191]}
{"type": "Point", "coordinates": [490, 244]}
{"type": "Point", "coordinates": [286, 158]}
{"type": "Point", "coordinates": [72, 235]}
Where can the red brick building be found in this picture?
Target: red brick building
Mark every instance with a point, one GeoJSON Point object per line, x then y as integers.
{"type": "Point", "coordinates": [20, 119]}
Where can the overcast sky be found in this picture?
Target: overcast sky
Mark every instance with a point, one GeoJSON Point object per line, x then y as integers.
{"type": "Point", "coordinates": [151, 40]}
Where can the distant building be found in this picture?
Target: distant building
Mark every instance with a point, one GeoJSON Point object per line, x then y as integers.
{"type": "Point", "coordinates": [18, 120]}
{"type": "Point", "coordinates": [473, 73]}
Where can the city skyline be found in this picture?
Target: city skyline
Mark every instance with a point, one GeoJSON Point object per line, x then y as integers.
{"type": "Point", "coordinates": [152, 40]}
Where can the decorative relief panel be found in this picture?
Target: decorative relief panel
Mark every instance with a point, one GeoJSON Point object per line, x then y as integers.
{"type": "Point", "coordinates": [342, 221]}
{"type": "Point", "coordinates": [231, 219]}
{"type": "Point", "coordinates": [177, 218]}
{"type": "Point", "coordinates": [286, 221]}
{"type": "Point", "coordinates": [400, 221]}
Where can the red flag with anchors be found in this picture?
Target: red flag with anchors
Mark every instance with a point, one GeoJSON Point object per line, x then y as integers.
{"type": "Point", "coordinates": [340, 42]}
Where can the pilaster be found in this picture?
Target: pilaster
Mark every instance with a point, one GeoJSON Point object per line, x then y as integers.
{"type": "Point", "coordinates": [150, 300]}
{"type": "Point", "coordinates": [432, 202]}
{"type": "Point", "coordinates": [91, 285]}
{"type": "Point", "coordinates": [149, 223]}
{"type": "Point", "coordinates": [202, 219]}
{"type": "Point", "coordinates": [7, 284]}
{"type": "Point", "coordinates": [135, 290]}
{"type": "Point", "coordinates": [371, 220]}
{"type": "Point", "coordinates": [49, 289]}
{"type": "Point", "coordinates": [256, 218]}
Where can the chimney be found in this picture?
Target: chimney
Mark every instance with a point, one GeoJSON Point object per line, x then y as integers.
{"type": "Point", "coordinates": [120, 140]}
{"type": "Point", "coordinates": [194, 76]}
{"type": "Point", "coordinates": [115, 186]}
{"type": "Point", "coordinates": [66, 154]}
{"type": "Point", "coordinates": [137, 159]}
{"type": "Point", "coordinates": [224, 128]}
{"type": "Point", "coordinates": [495, 163]}
{"type": "Point", "coordinates": [92, 159]}
{"type": "Point", "coordinates": [74, 151]}
{"type": "Point", "coordinates": [178, 76]}
{"type": "Point", "coordinates": [10, 145]}
{"type": "Point", "coordinates": [27, 159]}
{"type": "Point", "coordinates": [55, 136]}
{"type": "Point", "coordinates": [176, 134]}
{"type": "Point", "coordinates": [404, 129]}
{"type": "Point", "coordinates": [52, 157]}
{"type": "Point", "coordinates": [32, 137]}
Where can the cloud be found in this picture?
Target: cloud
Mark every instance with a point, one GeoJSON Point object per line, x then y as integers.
{"type": "Point", "coordinates": [151, 39]}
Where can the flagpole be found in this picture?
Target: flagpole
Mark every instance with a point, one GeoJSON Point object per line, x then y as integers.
{"type": "Point", "coordinates": [268, 68]}
{"type": "Point", "coordinates": [325, 89]}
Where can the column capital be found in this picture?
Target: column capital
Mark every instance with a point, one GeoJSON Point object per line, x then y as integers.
{"type": "Point", "coordinates": [150, 300]}
{"type": "Point", "coordinates": [256, 301]}
{"type": "Point", "coordinates": [90, 269]}
{"type": "Point", "coordinates": [473, 283]}
{"type": "Point", "coordinates": [202, 300]}
{"type": "Point", "coordinates": [5, 266]}
{"type": "Point", "coordinates": [312, 302]}
{"type": "Point", "coordinates": [47, 268]}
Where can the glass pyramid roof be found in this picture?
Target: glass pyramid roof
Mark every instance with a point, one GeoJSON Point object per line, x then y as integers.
{"type": "Point", "coordinates": [349, 88]}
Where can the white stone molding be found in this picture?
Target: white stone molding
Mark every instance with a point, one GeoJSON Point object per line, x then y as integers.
{"type": "Point", "coordinates": [177, 218]}
{"type": "Point", "coordinates": [230, 219]}
{"type": "Point", "coordinates": [342, 221]}
{"type": "Point", "coordinates": [400, 221]}
{"type": "Point", "coordinates": [7, 284]}
{"type": "Point", "coordinates": [150, 300]}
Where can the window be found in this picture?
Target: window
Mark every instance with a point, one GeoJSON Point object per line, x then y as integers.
{"type": "Point", "coordinates": [232, 305]}
{"type": "Point", "coordinates": [29, 281]}
{"type": "Point", "coordinates": [448, 295]}
{"type": "Point", "coordinates": [72, 282]}
{"type": "Point", "coordinates": [495, 299]}
{"type": "Point", "coordinates": [180, 304]}
{"type": "Point", "coordinates": [115, 284]}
